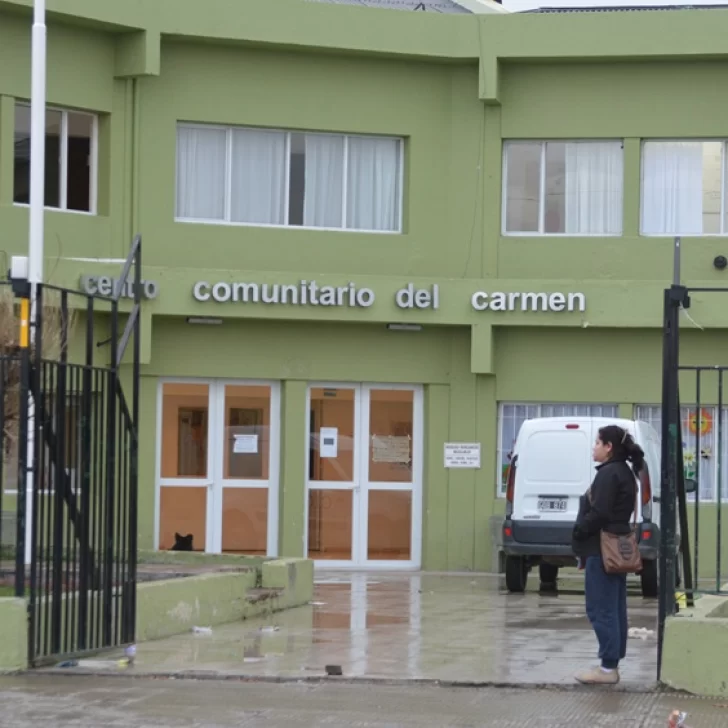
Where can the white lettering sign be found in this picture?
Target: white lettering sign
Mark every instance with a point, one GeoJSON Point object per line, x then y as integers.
{"type": "Point", "coordinates": [516, 301]}
{"type": "Point", "coordinates": [411, 297]}
{"type": "Point", "coordinates": [305, 293]}
{"type": "Point", "coordinates": [462, 455]}
{"type": "Point", "coordinates": [105, 286]}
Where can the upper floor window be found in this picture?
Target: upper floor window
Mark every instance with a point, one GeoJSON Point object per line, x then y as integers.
{"type": "Point", "coordinates": [262, 177]}
{"type": "Point", "coordinates": [70, 159]}
{"type": "Point", "coordinates": [563, 188]}
{"type": "Point", "coordinates": [683, 188]}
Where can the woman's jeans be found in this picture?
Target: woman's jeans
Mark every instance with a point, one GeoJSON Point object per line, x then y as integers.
{"type": "Point", "coordinates": [606, 607]}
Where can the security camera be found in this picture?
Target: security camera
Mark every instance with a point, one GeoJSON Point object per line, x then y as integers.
{"type": "Point", "coordinates": [720, 262]}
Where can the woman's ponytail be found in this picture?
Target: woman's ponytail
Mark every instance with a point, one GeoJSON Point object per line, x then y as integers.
{"type": "Point", "coordinates": [623, 446]}
{"type": "Point", "coordinates": [635, 454]}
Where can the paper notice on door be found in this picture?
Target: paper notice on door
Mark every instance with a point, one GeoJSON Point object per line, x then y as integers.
{"type": "Point", "coordinates": [245, 444]}
{"type": "Point", "coordinates": [390, 449]}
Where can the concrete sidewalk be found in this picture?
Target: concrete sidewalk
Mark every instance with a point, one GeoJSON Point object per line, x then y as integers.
{"type": "Point", "coordinates": [404, 627]}
{"type": "Point", "coordinates": [54, 701]}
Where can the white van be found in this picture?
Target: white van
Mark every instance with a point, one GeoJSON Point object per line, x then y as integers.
{"type": "Point", "coordinates": [551, 467]}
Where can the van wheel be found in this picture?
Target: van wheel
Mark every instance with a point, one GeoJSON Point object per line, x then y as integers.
{"type": "Point", "coordinates": [516, 574]}
{"type": "Point", "coordinates": [648, 577]}
{"type": "Point", "coordinates": [548, 574]}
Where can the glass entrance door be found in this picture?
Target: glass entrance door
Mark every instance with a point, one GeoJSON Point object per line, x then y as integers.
{"type": "Point", "coordinates": [364, 475]}
{"type": "Point", "coordinates": [218, 467]}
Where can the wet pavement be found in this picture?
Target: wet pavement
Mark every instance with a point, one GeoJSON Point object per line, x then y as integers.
{"type": "Point", "coordinates": [398, 627]}
{"type": "Point", "coordinates": [89, 702]}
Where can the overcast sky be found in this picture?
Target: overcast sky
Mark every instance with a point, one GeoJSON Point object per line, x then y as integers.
{"type": "Point", "coordinates": [531, 4]}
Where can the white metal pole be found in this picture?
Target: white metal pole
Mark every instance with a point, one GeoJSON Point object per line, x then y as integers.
{"type": "Point", "coordinates": [37, 209]}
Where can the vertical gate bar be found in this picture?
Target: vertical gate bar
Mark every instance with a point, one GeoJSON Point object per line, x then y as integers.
{"type": "Point", "coordinates": [65, 484]}
{"type": "Point", "coordinates": [719, 484]}
{"type": "Point", "coordinates": [670, 423]}
{"type": "Point", "coordinates": [22, 473]}
{"type": "Point", "coordinates": [124, 545]}
{"type": "Point", "coordinates": [59, 472]}
{"type": "Point", "coordinates": [117, 527]}
{"type": "Point", "coordinates": [44, 476]}
{"type": "Point", "coordinates": [94, 519]}
{"type": "Point", "coordinates": [74, 534]}
{"type": "Point", "coordinates": [44, 517]}
{"type": "Point", "coordinates": [85, 466]}
{"type": "Point", "coordinates": [134, 452]}
{"type": "Point", "coordinates": [41, 454]}
{"type": "Point", "coordinates": [683, 518]}
{"type": "Point", "coordinates": [36, 553]}
{"type": "Point", "coordinates": [134, 463]}
{"type": "Point", "coordinates": [45, 413]}
{"type": "Point", "coordinates": [110, 440]}
{"type": "Point", "coordinates": [696, 537]}
{"type": "Point", "coordinates": [100, 406]}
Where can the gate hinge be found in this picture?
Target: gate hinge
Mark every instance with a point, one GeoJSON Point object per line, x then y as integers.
{"type": "Point", "coordinates": [679, 296]}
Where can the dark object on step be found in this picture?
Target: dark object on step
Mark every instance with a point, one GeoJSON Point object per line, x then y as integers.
{"type": "Point", "coordinates": [182, 543]}
{"type": "Point", "coordinates": [333, 670]}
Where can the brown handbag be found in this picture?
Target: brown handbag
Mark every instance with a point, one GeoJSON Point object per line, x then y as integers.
{"type": "Point", "coordinates": [620, 552]}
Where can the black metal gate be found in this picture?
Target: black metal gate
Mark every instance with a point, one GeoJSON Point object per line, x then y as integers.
{"type": "Point", "coordinates": [77, 455]}
{"type": "Point", "coordinates": [694, 447]}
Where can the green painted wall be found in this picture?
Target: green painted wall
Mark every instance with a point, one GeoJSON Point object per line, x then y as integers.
{"type": "Point", "coordinates": [13, 634]}
{"type": "Point", "coordinates": [455, 87]}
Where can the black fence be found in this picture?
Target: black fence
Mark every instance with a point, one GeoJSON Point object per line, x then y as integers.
{"type": "Point", "coordinates": [694, 487]}
{"type": "Point", "coordinates": [76, 447]}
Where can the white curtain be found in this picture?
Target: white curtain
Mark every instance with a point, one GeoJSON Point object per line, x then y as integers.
{"type": "Point", "coordinates": [373, 193]}
{"type": "Point", "coordinates": [201, 173]}
{"type": "Point", "coordinates": [258, 192]}
{"type": "Point", "coordinates": [323, 196]}
{"type": "Point", "coordinates": [672, 188]}
{"type": "Point", "coordinates": [593, 188]}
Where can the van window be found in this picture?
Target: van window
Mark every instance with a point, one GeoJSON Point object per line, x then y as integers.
{"type": "Point", "coordinates": [553, 457]}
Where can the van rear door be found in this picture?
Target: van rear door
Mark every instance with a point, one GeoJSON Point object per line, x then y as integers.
{"type": "Point", "coordinates": [554, 469]}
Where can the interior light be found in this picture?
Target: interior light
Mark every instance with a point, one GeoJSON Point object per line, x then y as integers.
{"type": "Point", "coordinates": [404, 327]}
{"type": "Point", "coordinates": [207, 320]}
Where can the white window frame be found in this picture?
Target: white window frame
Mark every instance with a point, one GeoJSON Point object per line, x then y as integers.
{"type": "Point", "coordinates": [214, 480]}
{"type": "Point", "coordinates": [93, 162]}
{"type": "Point", "coordinates": [651, 413]}
{"type": "Point", "coordinates": [612, 410]}
{"type": "Point", "coordinates": [542, 190]}
{"type": "Point", "coordinates": [724, 228]}
{"type": "Point", "coordinates": [228, 176]}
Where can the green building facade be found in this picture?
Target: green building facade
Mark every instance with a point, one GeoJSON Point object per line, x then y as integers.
{"type": "Point", "coordinates": [374, 242]}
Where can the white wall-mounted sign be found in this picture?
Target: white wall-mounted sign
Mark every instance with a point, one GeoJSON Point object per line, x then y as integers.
{"type": "Point", "coordinates": [329, 442]}
{"type": "Point", "coordinates": [462, 454]}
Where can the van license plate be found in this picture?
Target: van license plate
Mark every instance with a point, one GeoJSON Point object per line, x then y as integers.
{"type": "Point", "coordinates": [552, 505]}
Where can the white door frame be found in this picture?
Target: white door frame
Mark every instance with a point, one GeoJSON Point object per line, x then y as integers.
{"type": "Point", "coordinates": [360, 485]}
{"type": "Point", "coordinates": [214, 481]}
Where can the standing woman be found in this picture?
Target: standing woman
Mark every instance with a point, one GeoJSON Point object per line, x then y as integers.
{"type": "Point", "coordinates": [607, 506]}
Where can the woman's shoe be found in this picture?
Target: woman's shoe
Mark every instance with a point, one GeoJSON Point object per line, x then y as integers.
{"type": "Point", "coordinates": [597, 676]}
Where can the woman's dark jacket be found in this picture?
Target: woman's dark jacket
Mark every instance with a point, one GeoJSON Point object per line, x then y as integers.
{"type": "Point", "coordinates": [607, 506]}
